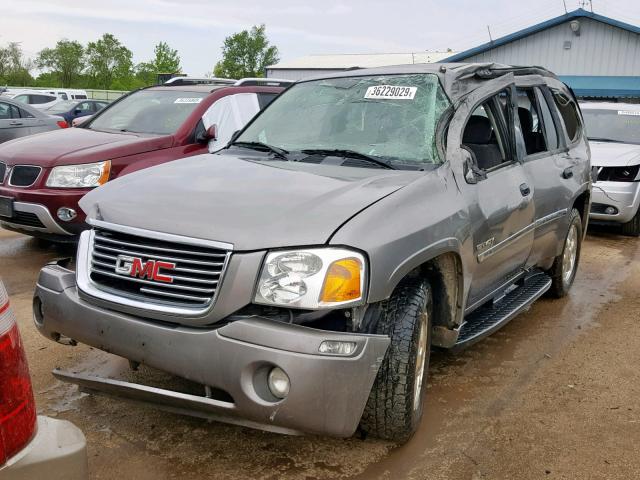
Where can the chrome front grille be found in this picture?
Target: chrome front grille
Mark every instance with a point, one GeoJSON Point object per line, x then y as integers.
{"type": "Point", "coordinates": [186, 275]}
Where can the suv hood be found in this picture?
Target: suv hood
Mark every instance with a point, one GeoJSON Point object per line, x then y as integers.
{"type": "Point", "coordinates": [610, 154]}
{"type": "Point", "coordinates": [252, 204]}
{"type": "Point", "coordinates": [77, 145]}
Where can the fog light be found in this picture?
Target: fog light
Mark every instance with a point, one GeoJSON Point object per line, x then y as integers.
{"type": "Point", "coordinates": [278, 382]}
{"type": "Point", "coordinates": [336, 347]}
{"type": "Point", "coordinates": [66, 214]}
{"type": "Point", "coordinates": [611, 210]}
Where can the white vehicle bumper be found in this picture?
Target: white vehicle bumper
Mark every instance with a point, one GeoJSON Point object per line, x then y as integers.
{"type": "Point", "coordinates": [57, 452]}
{"type": "Point", "coordinates": [624, 197]}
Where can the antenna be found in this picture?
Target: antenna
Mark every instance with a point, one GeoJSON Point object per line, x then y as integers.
{"type": "Point", "coordinates": [489, 30]}
{"type": "Point", "coordinates": [564, 2]}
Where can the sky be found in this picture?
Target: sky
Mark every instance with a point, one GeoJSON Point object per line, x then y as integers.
{"type": "Point", "coordinates": [197, 28]}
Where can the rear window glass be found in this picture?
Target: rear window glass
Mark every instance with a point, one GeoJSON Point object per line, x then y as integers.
{"type": "Point", "coordinates": [159, 112]}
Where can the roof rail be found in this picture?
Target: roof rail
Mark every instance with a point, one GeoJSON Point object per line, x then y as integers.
{"type": "Point", "coordinates": [263, 82]}
{"type": "Point", "coordinates": [180, 81]}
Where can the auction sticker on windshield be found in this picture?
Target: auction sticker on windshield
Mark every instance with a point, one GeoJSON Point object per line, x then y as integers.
{"type": "Point", "coordinates": [391, 92]}
{"type": "Point", "coordinates": [187, 100]}
{"type": "Point", "coordinates": [629, 112]}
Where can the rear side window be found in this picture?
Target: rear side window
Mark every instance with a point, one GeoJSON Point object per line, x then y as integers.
{"type": "Point", "coordinates": [80, 97]}
{"type": "Point", "coordinates": [23, 113]}
{"type": "Point", "coordinates": [531, 123]}
{"type": "Point", "coordinates": [265, 99]}
{"type": "Point", "coordinates": [569, 113]}
{"type": "Point", "coordinates": [549, 126]}
{"type": "Point", "coordinates": [38, 99]}
{"type": "Point", "coordinates": [64, 96]}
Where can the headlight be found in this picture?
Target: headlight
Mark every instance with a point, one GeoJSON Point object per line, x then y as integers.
{"type": "Point", "coordinates": [80, 176]}
{"type": "Point", "coordinates": [312, 278]}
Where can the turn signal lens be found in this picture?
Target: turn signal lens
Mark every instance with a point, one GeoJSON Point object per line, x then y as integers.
{"type": "Point", "coordinates": [343, 281]}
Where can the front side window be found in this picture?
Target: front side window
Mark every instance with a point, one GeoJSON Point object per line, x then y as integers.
{"type": "Point", "coordinates": [483, 135]}
{"type": "Point", "coordinates": [5, 111]}
{"type": "Point", "coordinates": [157, 112]}
{"type": "Point", "coordinates": [612, 125]}
{"type": "Point", "coordinates": [390, 117]}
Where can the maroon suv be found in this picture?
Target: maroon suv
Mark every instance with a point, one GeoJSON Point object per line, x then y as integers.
{"type": "Point", "coordinates": [42, 177]}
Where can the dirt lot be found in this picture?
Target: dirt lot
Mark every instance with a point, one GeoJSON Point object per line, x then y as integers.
{"type": "Point", "coordinates": [555, 394]}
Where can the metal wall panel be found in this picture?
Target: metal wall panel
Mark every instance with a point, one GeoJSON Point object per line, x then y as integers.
{"type": "Point", "coordinates": [297, 74]}
{"type": "Point", "coordinates": [600, 49]}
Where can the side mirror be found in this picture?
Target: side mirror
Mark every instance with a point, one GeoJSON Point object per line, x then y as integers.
{"type": "Point", "coordinates": [209, 134]}
{"type": "Point", "coordinates": [77, 111]}
{"type": "Point", "coordinates": [472, 174]}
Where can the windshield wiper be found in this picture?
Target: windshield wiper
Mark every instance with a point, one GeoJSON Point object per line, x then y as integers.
{"type": "Point", "coordinates": [602, 139]}
{"type": "Point", "coordinates": [340, 152]}
{"type": "Point", "coordinates": [260, 146]}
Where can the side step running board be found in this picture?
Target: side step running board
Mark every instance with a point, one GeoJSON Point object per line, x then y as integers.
{"type": "Point", "coordinates": [494, 315]}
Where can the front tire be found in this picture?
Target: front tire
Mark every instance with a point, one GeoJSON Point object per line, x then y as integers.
{"type": "Point", "coordinates": [632, 227]}
{"type": "Point", "coordinates": [395, 404]}
{"type": "Point", "coordinates": [565, 266]}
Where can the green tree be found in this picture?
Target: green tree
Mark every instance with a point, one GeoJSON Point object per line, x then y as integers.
{"type": "Point", "coordinates": [109, 61]}
{"type": "Point", "coordinates": [15, 69]}
{"type": "Point", "coordinates": [66, 61]}
{"type": "Point", "coordinates": [166, 60]}
{"type": "Point", "coordinates": [246, 54]}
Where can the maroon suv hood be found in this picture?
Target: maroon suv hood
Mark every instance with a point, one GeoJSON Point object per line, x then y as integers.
{"type": "Point", "coordinates": [77, 145]}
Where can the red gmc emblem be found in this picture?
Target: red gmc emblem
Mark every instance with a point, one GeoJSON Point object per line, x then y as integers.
{"type": "Point", "coordinates": [135, 267]}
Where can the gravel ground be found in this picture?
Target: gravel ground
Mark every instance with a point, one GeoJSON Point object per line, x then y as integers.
{"type": "Point", "coordinates": [554, 394]}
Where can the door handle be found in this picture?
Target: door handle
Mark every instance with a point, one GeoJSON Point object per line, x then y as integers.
{"type": "Point", "coordinates": [15, 123]}
{"type": "Point", "coordinates": [567, 173]}
{"type": "Point", "coordinates": [525, 190]}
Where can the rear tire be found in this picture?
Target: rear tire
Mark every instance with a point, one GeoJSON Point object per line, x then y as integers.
{"type": "Point", "coordinates": [632, 227]}
{"type": "Point", "coordinates": [565, 265]}
{"type": "Point", "coordinates": [395, 404]}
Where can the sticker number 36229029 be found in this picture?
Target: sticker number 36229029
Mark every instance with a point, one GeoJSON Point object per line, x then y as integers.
{"type": "Point", "coordinates": [391, 92]}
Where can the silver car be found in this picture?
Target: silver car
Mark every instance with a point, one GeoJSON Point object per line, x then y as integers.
{"type": "Point", "coordinates": [18, 119]}
{"type": "Point", "coordinates": [614, 135]}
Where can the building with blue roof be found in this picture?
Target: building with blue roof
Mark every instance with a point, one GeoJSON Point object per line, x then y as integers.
{"type": "Point", "coordinates": [598, 56]}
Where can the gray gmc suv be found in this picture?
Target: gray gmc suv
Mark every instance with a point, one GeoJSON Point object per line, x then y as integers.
{"type": "Point", "coordinates": [302, 275]}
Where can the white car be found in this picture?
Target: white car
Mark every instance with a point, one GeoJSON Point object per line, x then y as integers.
{"type": "Point", "coordinates": [36, 98]}
{"type": "Point", "coordinates": [31, 446]}
{"type": "Point", "coordinates": [613, 130]}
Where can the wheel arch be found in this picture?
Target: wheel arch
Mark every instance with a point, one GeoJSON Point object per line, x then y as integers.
{"type": "Point", "coordinates": [442, 265]}
{"type": "Point", "coordinates": [583, 204]}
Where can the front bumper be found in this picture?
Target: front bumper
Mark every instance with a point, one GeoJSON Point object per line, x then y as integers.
{"type": "Point", "coordinates": [623, 196]}
{"type": "Point", "coordinates": [327, 393]}
{"type": "Point", "coordinates": [57, 452]}
{"type": "Point", "coordinates": [36, 211]}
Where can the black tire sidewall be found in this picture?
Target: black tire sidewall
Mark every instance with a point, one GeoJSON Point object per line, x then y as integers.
{"type": "Point", "coordinates": [389, 413]}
